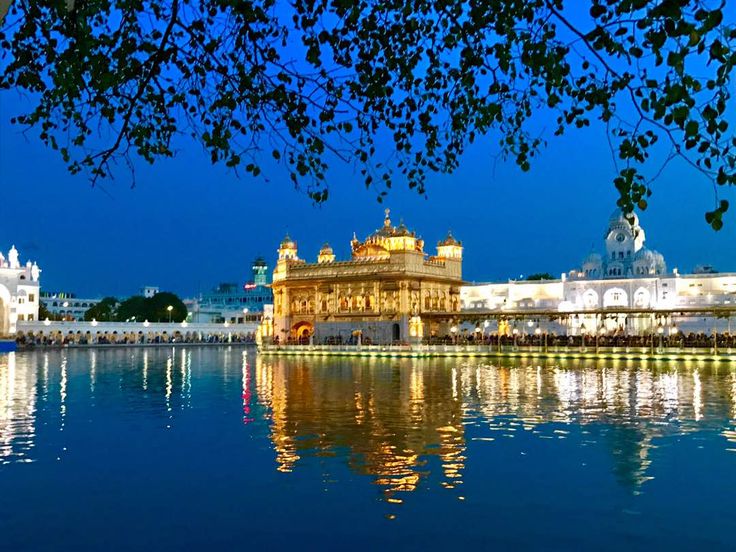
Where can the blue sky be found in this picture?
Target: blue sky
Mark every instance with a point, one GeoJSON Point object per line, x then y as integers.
{"type": "Point", "coordinates": [188, 225]}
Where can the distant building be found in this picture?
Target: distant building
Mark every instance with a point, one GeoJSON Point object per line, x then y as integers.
{"type": "Point", "coordinates": [626, 256]}
{"type": "Point", "coordinates": [149, 291]}
{"type": "Point", "coordinates": [65, 305]}
{"type": "Point", "coordinates": [232, 302]}
{"type": "Point", "coordinates": [390, 290]}
{"type": "Point", "coordinates": [19, 291]}
{"type": "Point", "coordinates": [628, 277]}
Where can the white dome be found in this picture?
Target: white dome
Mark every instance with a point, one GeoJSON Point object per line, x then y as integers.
{"type": "Point", "coordinates": [645, 254]}
{"type": "Point", "coordinates": [618, 217]}
{"type": "Point", "coordinates": [593, 258]}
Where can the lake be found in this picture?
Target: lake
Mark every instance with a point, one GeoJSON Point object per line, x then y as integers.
{"type": "Point", "coordinates": [216, 447]}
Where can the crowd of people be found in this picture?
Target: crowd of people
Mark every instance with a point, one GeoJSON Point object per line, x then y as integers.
{"type": "Point", "coordinates": [689, 340]}
{"type": "Point", "coordinates": [683, 340]}
{"type": "Point", "coordinates": [60, 340]}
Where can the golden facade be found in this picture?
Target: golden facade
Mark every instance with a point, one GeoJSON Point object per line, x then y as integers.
{"type": "Point", "coordinates": [389, 291]}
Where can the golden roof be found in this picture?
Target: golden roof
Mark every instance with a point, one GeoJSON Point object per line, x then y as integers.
{"type": "Point", "coordinates": [387, 238]}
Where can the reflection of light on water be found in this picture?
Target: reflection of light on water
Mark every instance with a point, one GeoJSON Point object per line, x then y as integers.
{"type": "Point", "coordinates": [92, 370]}
{"type": "Point", "coordinates": [670, 389]}
{"type": "Point", "coordinates": [186, 377]}
{"type": "Point", "coordinates": [62, 392]}
{"type": "Point", "coordinates": [45, 393]}
{"type": "Point", "coordinates": [454, 383]}
{"type": "Point", "coordinates": [538, 381]}
{"type": "Point", "coordinates": [17, 410]}
{"type": "Point", "coordinates": [145, 369]}
{"type": "Point", "coordinates": [246, 389]}
{"type": "Point", "coordinates": [567, 390]}
{"type": "Point", "coordinates": [169, 382]}
{"type": "Point", "coordinates": [697, 396]}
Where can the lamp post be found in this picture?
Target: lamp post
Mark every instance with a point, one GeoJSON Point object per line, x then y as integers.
{"type": "Point", "coordinates": [660, 331]}
{"type": "Point", "coordinates": [538, 332]}
{"type": "Point", "coordinates": [453, 331]}
{"type": "Point", "coordinates": [515, 331]}
{"type": "Point", "coordinates": [169, 308]}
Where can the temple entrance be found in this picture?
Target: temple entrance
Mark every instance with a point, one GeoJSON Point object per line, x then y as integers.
{"type": "Point", "coordinates": [301, 331]}
{"type": "Point", "coordinates": [396, 332]}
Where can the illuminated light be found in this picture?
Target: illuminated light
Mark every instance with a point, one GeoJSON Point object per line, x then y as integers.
{"type": "Point", "coordinates": [249, 286]}
{"type": "Point", "coordinates": [47, 322]}
{"type": "Point", "coordinates": [146, 323]}
{"type": "Point", "coordinates": [94, 322]}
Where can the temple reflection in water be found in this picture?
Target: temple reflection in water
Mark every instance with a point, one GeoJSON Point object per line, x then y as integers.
{"type": "Point", "coordinates": [389, 423]}
{"type": "Point", "coordinates": [407, 424]}
{"type": "Point", "coordinates": [392, 420]}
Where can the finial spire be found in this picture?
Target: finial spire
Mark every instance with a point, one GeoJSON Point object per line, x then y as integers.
{"type": "Point", "coordinates": [387, 220]}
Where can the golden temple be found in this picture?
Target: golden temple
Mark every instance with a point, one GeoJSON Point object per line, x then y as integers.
{"type": "Point", "coordinates": [389, 291]}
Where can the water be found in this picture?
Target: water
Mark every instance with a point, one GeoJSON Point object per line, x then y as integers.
{"type": "Point", "coordinates": [218, 448]}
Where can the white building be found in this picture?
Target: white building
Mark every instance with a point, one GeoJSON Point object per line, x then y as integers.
{"type": "Point", "coordinates": [628, 278]}
{"type": "Point", "coordinates": [149, 291]}
{"type": "Point", "coordinates": [19, 291]}
{"type": "Point", "coordinates": [65, 305]}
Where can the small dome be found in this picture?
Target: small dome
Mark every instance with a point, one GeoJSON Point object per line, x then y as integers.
{"type": "Point", "coordinates": [402, 231]}
{"type": "Point", "coordinates": [449, 240]}
{"type": "Point", "coordinates": [593, 258]}
{"type": "Point", "coordinates": [260, 261]}
{"type": "Point", "coordinates": [326, 249]}
{"type": "Point", "coordinates": [645, 254]}
{"type": "Point", "coordinates": [287, 242]}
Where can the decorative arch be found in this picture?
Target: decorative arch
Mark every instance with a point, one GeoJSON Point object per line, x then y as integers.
{"type": "Point", "coordinates": [615, 297]}
{"type": "Point", "coordinates": [642, 297]}
{"type": "Point", "coordinates": [302, 330]}
{"type": "Point", "coordinates": [4, 310]}
{"type": "Point", "coordinates": [590, 298]}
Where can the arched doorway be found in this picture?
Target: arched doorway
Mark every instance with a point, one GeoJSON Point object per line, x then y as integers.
{"type": "Point", "coordinates": [396, 332]}
{"type": "Point", "coordinates": [4, 311]}
{"type": "Point", "coordinates": [302, 330]}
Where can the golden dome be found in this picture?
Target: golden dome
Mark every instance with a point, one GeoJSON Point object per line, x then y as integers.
{"type": "Point", "coordinates": [449, 240]}
{"type": "Point", "coordinates": [387, 238]}
{"type": "Point", "coordinates": [288, 242]}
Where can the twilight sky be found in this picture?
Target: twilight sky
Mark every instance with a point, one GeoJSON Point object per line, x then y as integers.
{"type": "Point", "coordinates": [188, 225]}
